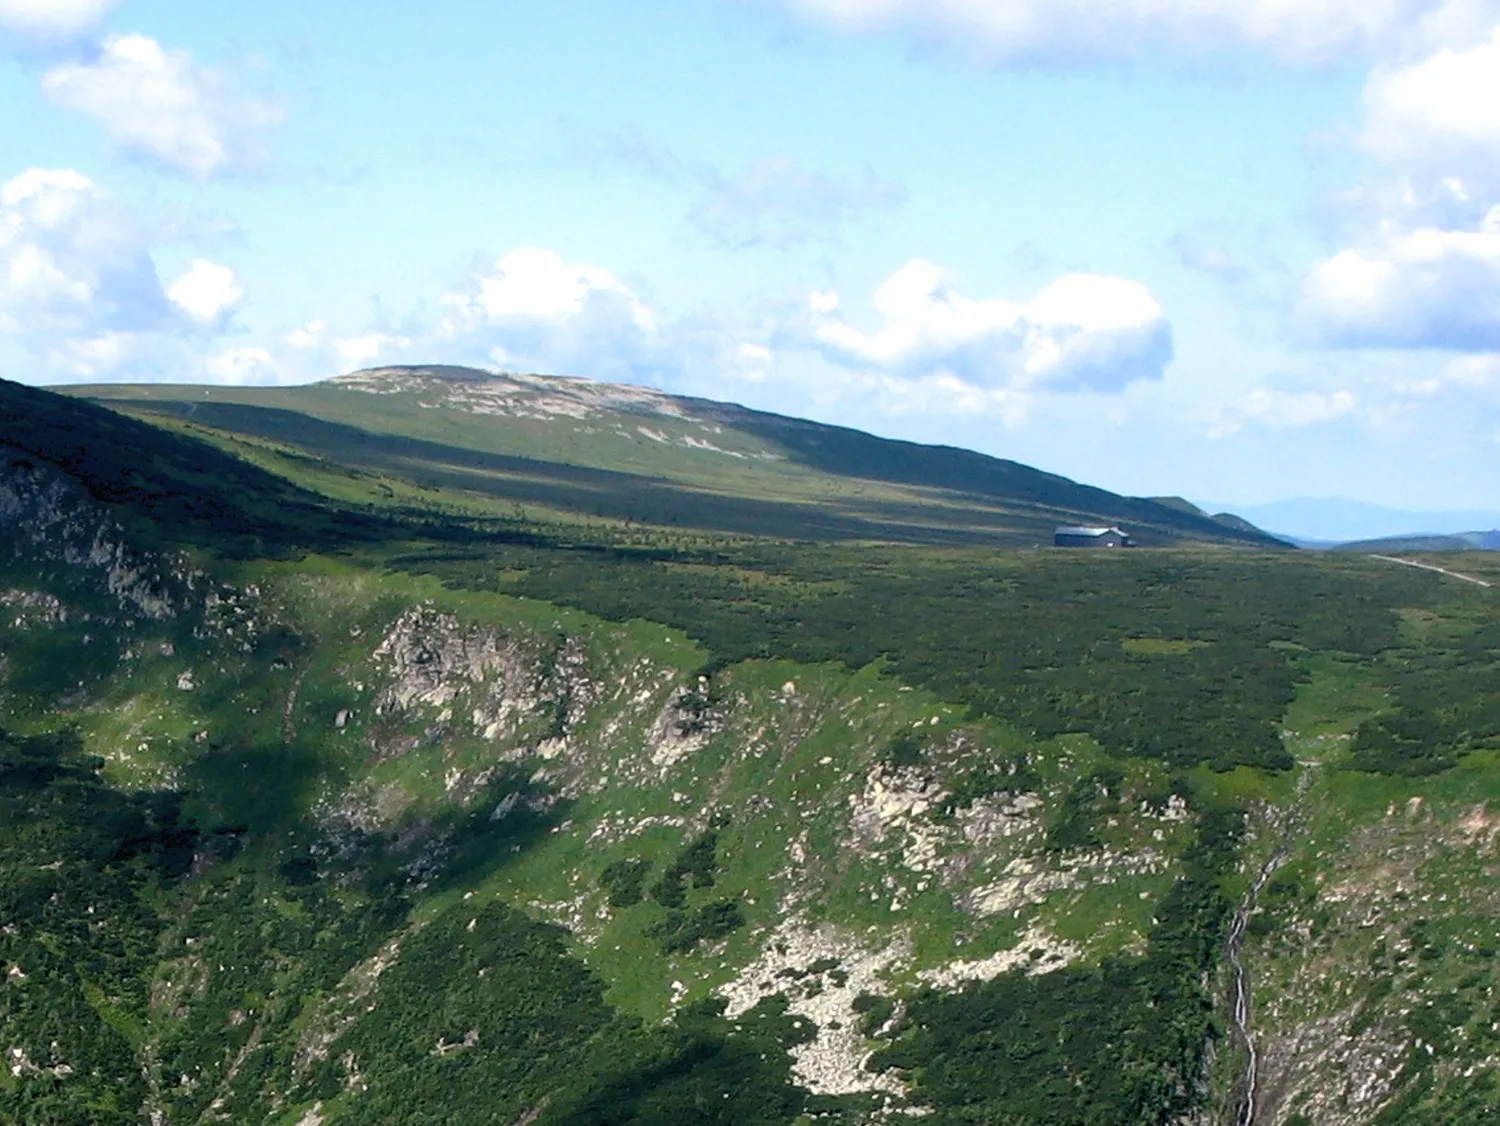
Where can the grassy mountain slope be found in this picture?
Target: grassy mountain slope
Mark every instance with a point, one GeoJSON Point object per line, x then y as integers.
{"type": "Point", "coordinates": [403, 810]}
{"type": "Point", "coordinates": [1466, 541]}
{"type": "Point", "coordinates": [574, 446]}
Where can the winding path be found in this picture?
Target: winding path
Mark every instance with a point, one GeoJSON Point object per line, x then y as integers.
{"type": "Point", "coordinates": [1433, 567]}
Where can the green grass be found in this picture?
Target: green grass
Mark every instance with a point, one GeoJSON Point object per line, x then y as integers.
{"type": "Point", "coordinates": [1160, 646]}
{"type": "Point", "coordinates": [764, 475]}
{"type": "Point", "coordinates": [1214, 685]}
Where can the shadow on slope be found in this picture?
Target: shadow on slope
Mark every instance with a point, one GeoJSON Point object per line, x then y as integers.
{"type": "Point", "coordinates": [968, 511]}
{"type": "Point", "coordinates": [853, 453]}
{"type": "Point", "coordinates": [190, 490]}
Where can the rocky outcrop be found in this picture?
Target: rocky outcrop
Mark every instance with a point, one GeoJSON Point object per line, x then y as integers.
{"type": "Point", "coordinates": [27, 608]}
{"type": "Point", "coordinates": [46, 518]}
{"type": "Point", "coordinates": [685, 725]}
{"type": "Point", "coordinates": [823, 970]}
{"type": "Point", "coordinates": [494, 681]}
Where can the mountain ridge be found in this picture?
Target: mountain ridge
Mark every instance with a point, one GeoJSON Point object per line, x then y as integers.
{"type": "Point", "coordinates": [672, 452]}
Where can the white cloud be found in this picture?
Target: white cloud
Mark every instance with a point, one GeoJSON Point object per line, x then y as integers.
{"type": "Point", "coordinates": [1444, 107]}
{"type": "Point", "coordinates": [1281, 409]}
{"type": "Point", "coordinates": [1428, 288]}
{"type": "Point", "coordinates": [323, 352]}
{"type": "Point", "coordinates": [162, 105]}
{"type": "Point", "coordinates": [1425, 273]}
{"type": "Point", "coordinates": [94, 356]}
{"type": "Point", "coordinates": [308, 337]}
{"type": "Point", "coordinates": [207, 293]}
{"type": "Point", "coordinates": [52, 19]}
{"type": "Point", "coordinates": [1479, 373]}
{"type": "Point", "coordinates": [1294, 30]}
{"type": "Point", "coordinates": [243, 366]}
{"type": "Point", "coordinates": [80, 291]}
{"type": "Point", "coordinates": [1083, 332]}
{"type": "Point", "coordinates": [1467, 379]}
{"type": "Point", "coordinates": [936, 395]}
{"type": "Point", "coordinates": [532, 285]}
{"type": "Point", "coordinates": [72, 263]}
{"type": "Point", "coordinates": [753, 362]}
{"type": "Point", "coordinates": [361, 351]}
{"type": "Point", "coordinates": [534, 311]}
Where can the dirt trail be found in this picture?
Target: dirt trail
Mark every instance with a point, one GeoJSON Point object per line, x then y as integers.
{"type": "Point", "coordinates": [1433, 567]}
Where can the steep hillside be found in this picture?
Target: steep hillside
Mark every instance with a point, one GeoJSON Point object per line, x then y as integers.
{"type": "Point", "coordinates": [574, 446]}
{"type": "Point", "coordinates": [330, 799]}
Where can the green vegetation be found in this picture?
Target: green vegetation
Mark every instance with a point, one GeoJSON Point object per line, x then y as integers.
{"type": "Point", "coordinates": [363, 764]}
{"type": "Point", "coordinates": [680, 931]}
{"type": "Point", "coordinates": [1038, 640]}
{"type": "Point", "coordinates": [81, 864]}
{"type": "Point", "coordinates": [698, 1069]}
{"type": "Point", "coordinates": [573, 447]}
{"type": "Point", "coordinates": [1121, 1042]}
{"type": "Point", "coordinates": [625, 880]}
{"type": "Point", "coordinates": [1447, 696]}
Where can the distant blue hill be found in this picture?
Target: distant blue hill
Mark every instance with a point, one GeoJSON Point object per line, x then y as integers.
{"type": "Point", "coordinates": [1327, 521]}
{"type": "Point", "coordinates": [1466, 541]}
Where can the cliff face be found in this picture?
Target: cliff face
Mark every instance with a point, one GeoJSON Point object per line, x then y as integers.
{"type": "Point", "coordinates": [393, 746]}
{"type": "Point", "coordinates": [50, 521]}
{"type": "Point", "coordinates": [328, 839]}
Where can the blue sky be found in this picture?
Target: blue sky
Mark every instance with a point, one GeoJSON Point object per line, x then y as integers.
{"type": "Point", "coordinates": [1233, 249]}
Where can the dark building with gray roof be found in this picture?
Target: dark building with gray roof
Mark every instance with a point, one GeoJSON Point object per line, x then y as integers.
{"type": "Point", "coordinates": [1090, 537]}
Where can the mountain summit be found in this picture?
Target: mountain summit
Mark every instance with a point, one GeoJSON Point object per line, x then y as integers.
{"type": "Point", "coordinates": [626, 452]}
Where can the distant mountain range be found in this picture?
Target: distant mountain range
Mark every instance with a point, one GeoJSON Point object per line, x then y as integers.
{"type": "Point", "coordinates": [1464, 541]}
{"type": "Point", "coordinates": [1327, 521]}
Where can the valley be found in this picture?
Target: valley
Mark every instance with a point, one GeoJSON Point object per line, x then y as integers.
{"type": "Point", "coordinates": [430, 749]}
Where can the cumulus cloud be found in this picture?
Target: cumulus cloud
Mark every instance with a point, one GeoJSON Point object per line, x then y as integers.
{"type": "Point", "coordinates": [1474, 373]}
{"type": "Point", "coordinates": [1424, 272]}
{"type": "Point", "coordinates": [1428, 288]}
{"type": "Point", "coordinates": [1280, 409]}
{"type": "Point", "coordinates": [533, 310]}
{"type": "Point", "coordinates": [529, 310]}
{"type": "Point", "coordinates": [1445, 107]}
{"type": "Point", "coordinates": [163, 106]}
{"type": "Point", "coordinates": [52, 19]}
{"type": "Point", "coordinates": [1293, 30]}
{"type": "Point", "coordinates": [243, 366]}
{"type": "Point", "coordinates": [535, 286]}
{"type": "Point", "coordinates": [319, 352]}
{"type": "Point", "coordinates": [207, 293]}
{"type": "Point", "coordinates": [753, 362]}
{"type": "Point", "coordinates": [97, 357]}
{"type": "Point", "coordinates": [80, 291]}
{"type": "Point", "coordinates": [73, 263]}
{"type": "Point", "coordinates": [1083, 332]}
{"type": "Point", "coordinates": [776, 202]}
